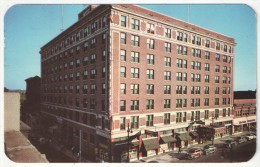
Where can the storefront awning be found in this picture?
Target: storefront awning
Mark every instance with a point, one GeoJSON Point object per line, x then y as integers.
{"type": "Point", "coordinates": [184, 136]}
{"type": "Point", "coordinates": [151, 144]}
{"type": "Point", "coordinates": [131, 143]}
{"type": "Point", "coordinates": [168, 139]}
{"type": "Point", "coordinates": [194, 134]}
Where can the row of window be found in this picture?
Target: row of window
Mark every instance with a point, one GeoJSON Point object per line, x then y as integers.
{"type": "Point", "coordinates": [92, 89]}
{"type": "Point", "coordinates": [180, 117]}
{"type": "Point", "coordinates": [73, 38]}
{"type": "Point", "coordinates": [70, 65]}
{"type": "Point", "coordinates": [180, 103]}
{"type": "Point", "coordinates": [180, 89]}
{"type": "Point", "coordinates": [180, 36]}
{"type": "Point", "coordinates": [167, 75]}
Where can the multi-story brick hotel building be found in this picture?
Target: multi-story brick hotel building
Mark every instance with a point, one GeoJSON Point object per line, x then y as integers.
{"type": "Point", "coordinates": [121, 65]}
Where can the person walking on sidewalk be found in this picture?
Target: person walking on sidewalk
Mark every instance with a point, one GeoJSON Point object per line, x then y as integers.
{"type": "Point", "coordinates": [179, 149]}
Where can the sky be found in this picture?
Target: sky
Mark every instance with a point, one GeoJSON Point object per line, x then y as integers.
{"type": "Point", "coordinates": [28, 27]}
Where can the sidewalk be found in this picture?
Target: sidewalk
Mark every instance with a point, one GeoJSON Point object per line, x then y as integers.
{"type": "Point", "coordinates": [174, 156]}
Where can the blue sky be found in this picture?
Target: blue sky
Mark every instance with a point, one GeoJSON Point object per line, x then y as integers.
{"type": "Point", "coordinates": [28, 27]}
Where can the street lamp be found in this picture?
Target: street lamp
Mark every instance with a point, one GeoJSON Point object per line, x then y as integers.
{"type": "Point", "coordinates": [129, 130]}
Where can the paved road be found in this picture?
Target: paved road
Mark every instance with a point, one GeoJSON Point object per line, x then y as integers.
{"type": "Point", "coordinates": [241, 153]}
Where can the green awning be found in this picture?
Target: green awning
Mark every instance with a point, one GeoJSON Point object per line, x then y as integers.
{"type": "Point", "coordinates": [184, 136]}
{"type": "Point", "coordinates": [151, 144]}
{"type": "Point", "coordinates": [168, 139]}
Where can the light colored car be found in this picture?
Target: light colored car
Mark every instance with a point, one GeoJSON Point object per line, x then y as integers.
{"type": "Point", "coordinates": [209, 149]}
{"type": "Point", "coordinates": [240, 139]}
{"type": "Point", "coordinates": [195, 152]}
{"type": "Point", "coordinates": [250, 136]}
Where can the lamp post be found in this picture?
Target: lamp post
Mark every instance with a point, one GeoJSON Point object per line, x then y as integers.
{"type": "Point", "coordinates": [129, 130]}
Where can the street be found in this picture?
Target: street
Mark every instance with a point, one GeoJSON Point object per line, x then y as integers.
{"type": "Point", "coordinates": [241, 153]}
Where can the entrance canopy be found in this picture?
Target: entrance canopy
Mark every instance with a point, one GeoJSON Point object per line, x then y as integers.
{"type": "Point", "coordinates": [151, 144]}
{"type": "Point", "coordinates": [184, 136]}
{"type": "Point", "coordinates": [168, 139]}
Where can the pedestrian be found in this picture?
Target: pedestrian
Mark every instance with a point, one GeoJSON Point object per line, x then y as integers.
{"type": "Point", "coordinates": [179, 149]}
{"type": "Point", "coordinates": [221, 135]}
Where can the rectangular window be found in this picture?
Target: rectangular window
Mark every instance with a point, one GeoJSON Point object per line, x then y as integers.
{"type": "Point", "coordinates": [149, 104]}
{"type": "Point", "coordinates": [167, 103]}
{"type": "Point", "coordinates": [206, 114]}
{"type": "Point", "coordinates": [150, 43]}
{"type": "Point", "coordinates": [184, 103]}
{"type": "Point", "coordinates": [217, 56]}
{"type": "Point", "coordinates": [150, 74]}
{"type": "Point", "coordinates": [207, 44]}
{"type": "Point", "coordinates": [92, 74]}
{"type": "Point", "coordinates": [207, 55]}
{"type": "Point", "coordinates": [198, 42]}
{"type": "Point", "coordinates": [178, 117]}
{"type": "Point", "coordinates": [197, 115]}
{"type": "Point", "coordinates": [178, 76]}
{"type": "Point", "coordinates": [178, 89]}
{"type": "Point", "coordinates": [150, 28]}
{"type": "Point", "coordinates": [224, 80]}
{"type": "Point", "coordinates": [123, 38]}
{"type": "Point", "coordinates": [207, 78]}
{"type": "Point", "coordinates": [206, 102]}
{"type": "Point", "coordinates": [224, 58]}
{"type": "Point", "coordinates": [217, 46]}
{"type": "Point", "coordinates": [135, 88]}
{"type": "Point", "coordinates": [135, 40]}
{"type": "Point", "coordinates": [134, 72]}
{"type": "Point", "coordinates": [167, 75]}
{"type": "Point", "coordinates": [122, 105]}
{"type": "Point", "coordinates": [217, 68]}
{"type": "Point", "coordinates": [178, 103]}
{"type": "Point", "coordinates": [224, 69]}
{"type": "Point", "coordinates": [168, 32]}
{"type": "Point", "coordinates": [135, 57]}
{"type": "Point", "coordinates": [185, 50]}
{"type": "Point", "coordinates": [135, 24]}
{"type": "Point", "coordinates": [150, 59]}
{"type": "Point", "coordinates": [224, 101]}
{"type": "Point", "coordinates": [206, 90]}
{"type": "Point", "coordinates": [122, 88]}
{"type": "Point", "coordinates": [135, 122]}
{"type": "Point", "coordinates": [207, 67]}
{"type": "Point", "coordinates": [217, 90]}
{"type": "Point", "coordinates": [179, 49]}
{"type": "Point", "coordinates": [85, 89]}
{"type": "Point", "coordinates": [149, 120]}
{"type": "Point", "coordinates": [216, 79]}
{"type": "Point", "coordinates": [166, 119]}
{"type": "Point", "coordinates": [123, 21]}
{"type": "Point", "coordinates": [179, 63]}
{"type": "Point", "coordinates": [150, 89]}
{"type": "Point", "coordinates": [185, 37]}
{"type": "Point", "coordinates": [123, 55]}
{"type": "Point", "coordinates": [224, 112]}
{"type": "Point", "coordinates": [167, 61]}
{"type": "Point", "coordinates": [216, 114]}
{"type": "Point", "coordinates": [179, 36]}
{"type": "Point", "coordinates": [167, 46]}
{"type": "Point", "coordinates": [122, 123]}
{"type": "Point", "coordinates": [198, 65]}
{"type": "Point", "coordinates": [123, 72]}
{"type": "Point", "coordinates": [167, 89]}
{"type": "Point", "coordinates": [193, 39]}
{"type": "Point", "coordinates": [134, 105]}
{"type": "Point", "coordinates": [216, 101]}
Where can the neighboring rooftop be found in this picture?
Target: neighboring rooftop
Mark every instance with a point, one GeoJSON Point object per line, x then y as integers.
{"type": "Point", "coordinates": [245, 94]}
{"type": "Point", "coordinates": [19, 149]}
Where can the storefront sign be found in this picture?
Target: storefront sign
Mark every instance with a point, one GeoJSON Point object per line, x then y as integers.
{"type": "Point", "coordinates": [251, 120]}
{"type": "Point", "coordinates": [242, 122]}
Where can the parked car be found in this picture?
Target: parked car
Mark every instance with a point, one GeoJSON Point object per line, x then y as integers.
{"type": "Point", "coordinates": [230, 143]}
{"type": "Point", "coordinates": [194, 152]}
{"type": "Point", "coordinates": [240, 139]}
{"type": "Point", "coordinates": [250, 136]}
{"type": "Point", "coordinates": [209, 149]}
